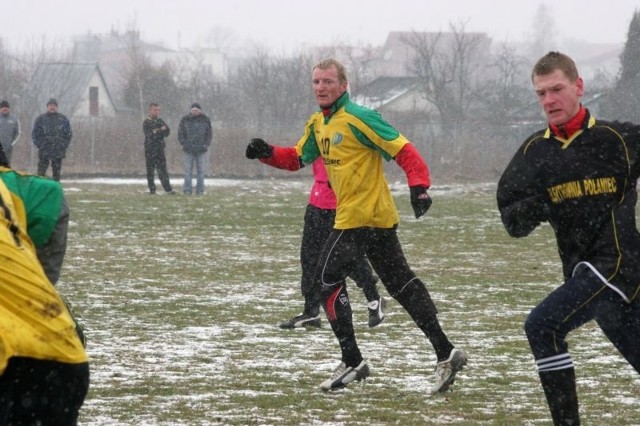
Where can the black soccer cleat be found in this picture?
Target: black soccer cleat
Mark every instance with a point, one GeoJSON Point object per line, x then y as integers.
{"type": "Point", "coordinates": [376, 311]}
{"type": "Point", "coordinates": [302, 320]}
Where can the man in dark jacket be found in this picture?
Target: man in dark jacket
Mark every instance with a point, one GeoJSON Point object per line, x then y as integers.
{"type": "Point", "coordinates": [194, 134]}
{"type": "Point", "coordinates": [155, 130]}
{"type": "Point", "coordinates": [51, 135]}
{"type": "Point", "coordinates": [579, 174]}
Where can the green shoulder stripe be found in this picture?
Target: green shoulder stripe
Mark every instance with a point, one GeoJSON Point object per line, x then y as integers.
{"type": "Point", "coordinates": [376, 123]}
{"type": "Point", "coordinates": [373, 119]}
{"type": "Point", "coordinates": [364, 140]}
{"type": "Point", "coordinates": [42, 200]}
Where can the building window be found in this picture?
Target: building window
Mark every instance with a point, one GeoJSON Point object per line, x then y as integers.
{"type": "Point", "coordinates": [94, 104]}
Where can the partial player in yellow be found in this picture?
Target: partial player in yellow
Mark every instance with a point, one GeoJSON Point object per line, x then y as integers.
{"type": "Point", "coordinates": [44, 369]}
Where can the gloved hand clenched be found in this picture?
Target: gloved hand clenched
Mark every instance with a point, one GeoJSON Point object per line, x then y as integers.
{"type": "Point", "coordinates": [420, 200]}
{"type": "Point", "coordinates": [258, 148]}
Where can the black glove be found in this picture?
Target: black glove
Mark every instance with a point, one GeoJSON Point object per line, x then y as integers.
{"type": "Point", "coordinates": [420, 200]}
{"type": "Point", "coordinates": [258, 148]}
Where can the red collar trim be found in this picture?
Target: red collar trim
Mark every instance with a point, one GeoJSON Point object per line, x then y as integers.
{"type": "Point", "coordinates": [570, 127]}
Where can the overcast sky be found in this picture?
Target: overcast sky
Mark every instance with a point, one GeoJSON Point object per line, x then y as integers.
{"type": "Point", "coordinates": [284, 24]}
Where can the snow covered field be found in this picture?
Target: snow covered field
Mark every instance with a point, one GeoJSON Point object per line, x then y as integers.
{"type": "Point", "coordinates": [181, 297]}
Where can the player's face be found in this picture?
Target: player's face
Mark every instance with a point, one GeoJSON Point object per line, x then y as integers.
{"type": "Point", "coordinates": [154, 111]}
{"type": "Point", "coordinates": [52, 108]}
{"type": "Point", "coordinates": [326, 86]}
{"type": "Point", "coordinates": [558, 96]}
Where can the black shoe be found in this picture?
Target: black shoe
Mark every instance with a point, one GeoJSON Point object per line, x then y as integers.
{"type": "Point", "coordinates": [376, 311]}
{"type": "Point", "coordinates": [172, 192]}
{"type": "Point", "coordinates": [302, 320]}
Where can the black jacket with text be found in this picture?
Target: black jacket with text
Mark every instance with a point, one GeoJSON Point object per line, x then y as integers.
{"type": "Point", "coordinates": [585, 187]}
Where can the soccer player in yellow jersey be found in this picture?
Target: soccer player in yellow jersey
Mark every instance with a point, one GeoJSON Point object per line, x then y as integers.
{"type": "Point", "coordinates": [44, 370]}
{"type": "Point", "coordinates": [353, 141]}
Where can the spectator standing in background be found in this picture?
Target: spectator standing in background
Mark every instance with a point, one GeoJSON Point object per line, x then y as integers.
{"type": "Point", "coordinates": [9, 129]}
{"type": "Point", "coordinates": [194, 135]}
{"type": "Point", "coordinates": [51, 135]}
{"type": "Point", "coordinates": [155, 130]}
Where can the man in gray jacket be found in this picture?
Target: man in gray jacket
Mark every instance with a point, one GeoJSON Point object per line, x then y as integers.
{"type": "Point", "coordinates": [9, 129]}
{"type": "Point", "coordinates": [194, 134]}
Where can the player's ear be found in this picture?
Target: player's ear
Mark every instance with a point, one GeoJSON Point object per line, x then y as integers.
{"type": "Point", "coordinates": [580, 86]}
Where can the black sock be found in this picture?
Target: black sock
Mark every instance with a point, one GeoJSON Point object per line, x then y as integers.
{"type": "Point", "coordinates": [311, 305]}
{"type": "Point", "coordinates": [560, 389]}
{"type": "Point", "coordinates": [415, 298]}
{"type": "Point", "coordinates": [371, 291]}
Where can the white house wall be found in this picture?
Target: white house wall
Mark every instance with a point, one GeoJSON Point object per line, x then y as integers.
{"type": "Point", "coordinates": [106, 108]}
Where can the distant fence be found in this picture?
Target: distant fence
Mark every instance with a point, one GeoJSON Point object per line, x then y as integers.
{"type": "Point", "coordinates": [114, 147]}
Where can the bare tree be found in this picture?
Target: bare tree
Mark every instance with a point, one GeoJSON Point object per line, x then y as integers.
{"type": "Point", "coordinates": [505, 90]}
{"type": "Point", "coordinates": [445, 65]}
{"type": "Point", "coordinates": [138, 65]}
{"type": "Point", "coordinates": [191, 75]}
{"type": "Point", "coordinates": [13, 78]}
{"type": "Point", "coordinates": [222, 38]}
{"type": "Point", "coordinates": [274, 90]}
{"type": "Point", "coordinates": [147, 83]}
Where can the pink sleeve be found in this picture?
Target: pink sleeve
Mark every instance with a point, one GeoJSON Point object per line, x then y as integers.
{"type": "Point", "coordinates": [321, 196]}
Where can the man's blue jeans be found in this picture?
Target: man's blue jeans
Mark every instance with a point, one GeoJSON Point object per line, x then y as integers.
{"type": "Point", "coordinates": [189, 160]}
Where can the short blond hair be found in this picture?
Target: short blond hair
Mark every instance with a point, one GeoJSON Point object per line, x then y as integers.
{"type": "Point", "coordinates": [331, 62]}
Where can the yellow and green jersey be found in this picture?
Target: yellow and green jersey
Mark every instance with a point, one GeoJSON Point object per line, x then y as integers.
{"type": "Point", "coordinates": [34, 321]}
{"type": "Point", "coordinates": [353, 141]}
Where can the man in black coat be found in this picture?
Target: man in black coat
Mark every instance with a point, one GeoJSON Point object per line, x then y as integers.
{"type": "Point", "coordinates": [51, 135]}
{"type": "Point", "coordinates": [155, 130]}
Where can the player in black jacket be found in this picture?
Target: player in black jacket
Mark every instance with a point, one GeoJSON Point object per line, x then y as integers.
{"type": "Point", "coordinates": [155, 130]}
{"type": "Point", "coordinates": [579, 174]}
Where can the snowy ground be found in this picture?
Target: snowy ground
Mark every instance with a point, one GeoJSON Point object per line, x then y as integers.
{"type": "Point", "coordinates": [181, 297]}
